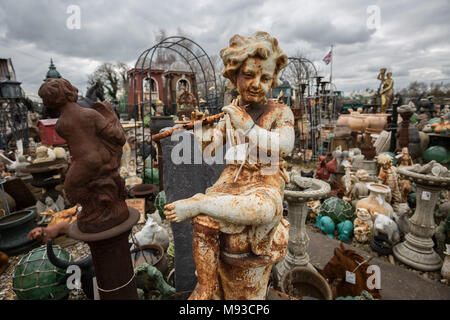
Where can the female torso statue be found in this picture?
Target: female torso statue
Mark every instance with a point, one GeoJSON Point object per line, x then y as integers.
{"type": "Point", "coordinates": [239, 231]}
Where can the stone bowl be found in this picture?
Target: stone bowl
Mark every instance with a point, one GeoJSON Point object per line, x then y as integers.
{"type": "Point", "coordinates": [14, 229]}
{"type": "Point", "coordinates": [306, 284]}
{"type": "Point", "coordinates": [318, 190]}
{"type": "Point", "coordinates": [424, 179]}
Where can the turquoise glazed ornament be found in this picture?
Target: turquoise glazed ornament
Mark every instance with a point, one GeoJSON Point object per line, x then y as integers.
{"type": "Point", "coordinates": [325, 224]}
{"type": "Point", "coordinates": [345, 230]}
{"type": "Point", "coordinates": [337, 209]}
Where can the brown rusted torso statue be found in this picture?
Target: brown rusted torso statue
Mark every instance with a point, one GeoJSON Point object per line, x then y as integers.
{"type": "Point", "coordinates": [95, 138]}
{"type": "Point", "coordinates": [239, 231]}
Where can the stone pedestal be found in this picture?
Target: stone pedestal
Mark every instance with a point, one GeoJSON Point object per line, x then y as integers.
{"type": "Point", "coordinates": [417, 249]}
{"type": "Point", "coordinates": [112, 259]}
{"type": "Point", "coordinates": [298, 239]}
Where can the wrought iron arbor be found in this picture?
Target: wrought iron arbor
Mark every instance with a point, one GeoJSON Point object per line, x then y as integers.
{"type": "Point", "coordinates": [195, 58]}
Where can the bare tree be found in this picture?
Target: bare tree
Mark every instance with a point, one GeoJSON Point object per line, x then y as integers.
{"type": "Point", "coordinates": [114, 78]}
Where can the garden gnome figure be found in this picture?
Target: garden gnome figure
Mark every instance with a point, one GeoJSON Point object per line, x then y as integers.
{"type": "Point", "coordinates": [239, 230]}
{"type": "Point", "coordinates": [388, 176]}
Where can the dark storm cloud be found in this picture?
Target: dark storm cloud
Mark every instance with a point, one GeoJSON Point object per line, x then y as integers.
{"type": "Point", "coordinates": [412, 40]}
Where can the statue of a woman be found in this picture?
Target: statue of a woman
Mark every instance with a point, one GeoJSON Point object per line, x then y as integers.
{"type": "Point", "coordinates": [387, 93]}
{"type": "Point", "coordinates": [239, 231]}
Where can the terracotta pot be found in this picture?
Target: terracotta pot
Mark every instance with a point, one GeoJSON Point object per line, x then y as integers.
{"type": "Point", "coordinates": [357, 123]}
{"type": "Point", "coordinates": [377, 122]}
{"type": "Point", "coordinates": [376, 202]}
{"type": "Point", "coordinates": [343, 120]}
{"type": "Point", "coordinates": [306, 284]}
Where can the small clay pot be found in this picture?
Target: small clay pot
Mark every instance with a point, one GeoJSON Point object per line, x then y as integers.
{"type": "Point", "coordinates": [304, 283]}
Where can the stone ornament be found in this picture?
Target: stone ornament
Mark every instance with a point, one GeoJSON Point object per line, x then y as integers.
{"type": "Point", "coordinates": [386, 226]}
{"type": "Point", "coordinates": [363, 225]}
{"type": "Point", "coordinates": [44, 154]}
{"type": "Point", "coordinates": [445, 271]}
{"type": "Point", "coordinates": [388, 176]}
{"type": "Point", "coordinates": [95, 138]}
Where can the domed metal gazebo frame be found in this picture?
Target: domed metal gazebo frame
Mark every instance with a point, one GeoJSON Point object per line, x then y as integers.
{"type": "Point", "coordinates": [191, 53]}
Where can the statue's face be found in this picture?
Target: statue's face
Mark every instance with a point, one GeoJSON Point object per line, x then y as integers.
{"type": "Point", "coordinates": [255, 78]}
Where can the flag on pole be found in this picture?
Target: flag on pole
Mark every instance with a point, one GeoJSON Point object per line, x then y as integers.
{"type": "Point", "coordinates": [328, 58]}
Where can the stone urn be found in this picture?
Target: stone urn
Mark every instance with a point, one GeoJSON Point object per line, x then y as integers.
{"type": "Point", "coordinates": [417, 249]}
{"type": "Point", "coordinates": [445, 271]}
{"type": "Point", "coordinates": [297, 211]}
{"type": "Point", "coordinates": [376, 202]}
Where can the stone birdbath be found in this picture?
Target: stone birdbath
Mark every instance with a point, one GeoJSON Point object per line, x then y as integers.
{"type": "Point", "coordinates": [314, 189]}
{"type": "Point", "coordinates": [417, 249]}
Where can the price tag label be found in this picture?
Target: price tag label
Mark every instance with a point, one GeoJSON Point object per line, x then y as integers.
{"type": "Point", "coordinates": [426, 195]}
{"type": "Point", "coordinates": [350, 277]}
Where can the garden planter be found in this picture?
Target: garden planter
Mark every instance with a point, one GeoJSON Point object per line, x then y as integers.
{"type": "Point", "coordinates": [13, 232]}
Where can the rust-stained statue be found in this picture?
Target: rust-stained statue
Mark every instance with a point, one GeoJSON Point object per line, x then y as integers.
{"type": "Point", "coordinates": [239, 231]}
{"type": "Point", "coordinates": [95, 138]}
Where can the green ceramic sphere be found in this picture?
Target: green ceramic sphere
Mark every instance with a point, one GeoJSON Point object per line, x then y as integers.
{"type": "Point", "coordinates": [36, 278]}
{"type": "Point", "coordinates": [160, 202]}
{"type": "Point", "coordinates": [337, 209]}
{"type": "Point", "coordinates": [438, 153]}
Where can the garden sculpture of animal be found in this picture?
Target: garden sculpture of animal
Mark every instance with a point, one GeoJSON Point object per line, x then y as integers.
{"type": "Point", "coordinates": [401, 217]}
{"type": "Point", "coordinates": [149, 278]}
{"type": "Point", "coordinates": [345, 230]}
{"type": "Point", "coordinates": [152, 233]}
{"type": "Point", "coordinates": [385, 225]}
{"type": "Point", "coordinates": [335, 273]}
{"type": "Point", "coordinates": [326, 224]}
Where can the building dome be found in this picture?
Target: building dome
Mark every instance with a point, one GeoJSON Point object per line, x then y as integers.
{"type": "Point", "coordinates": [52, 72]}
{"type": "Point", "coordinates": [179, 66]}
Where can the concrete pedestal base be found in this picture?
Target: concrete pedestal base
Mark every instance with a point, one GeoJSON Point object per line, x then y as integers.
{"type": "Point", "coordinates": [418, 253]}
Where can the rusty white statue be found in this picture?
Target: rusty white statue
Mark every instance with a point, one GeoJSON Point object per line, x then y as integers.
{"type": "Point", "coordinates": [239, 231]}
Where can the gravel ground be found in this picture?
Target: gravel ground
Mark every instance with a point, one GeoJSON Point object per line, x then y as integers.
{"type": "Point", "coordinates": [78, 251]}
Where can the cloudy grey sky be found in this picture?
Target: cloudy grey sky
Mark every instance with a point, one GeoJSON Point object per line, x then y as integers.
{"type": "Point", "coordinates": [412, 39]}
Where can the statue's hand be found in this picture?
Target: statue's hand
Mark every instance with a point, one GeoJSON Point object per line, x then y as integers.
{"type": "Point", "coordinates": [183, 209]}
{"type": "Point", "coordinates": [239, 117]}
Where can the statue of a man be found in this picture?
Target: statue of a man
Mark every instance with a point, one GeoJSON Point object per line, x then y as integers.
{"type": "Point", "coordinates": [239, 230]}
{"type": "Point", "coordinates": [95, 138]}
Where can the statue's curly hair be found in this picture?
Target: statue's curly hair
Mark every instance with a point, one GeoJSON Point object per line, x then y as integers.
{"type": "Point", "coordinates": [55, 93]}
{"type": "Point", "coordinates": [260, 44]}
{"type": "Point", "coordinates": [384, 158]}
